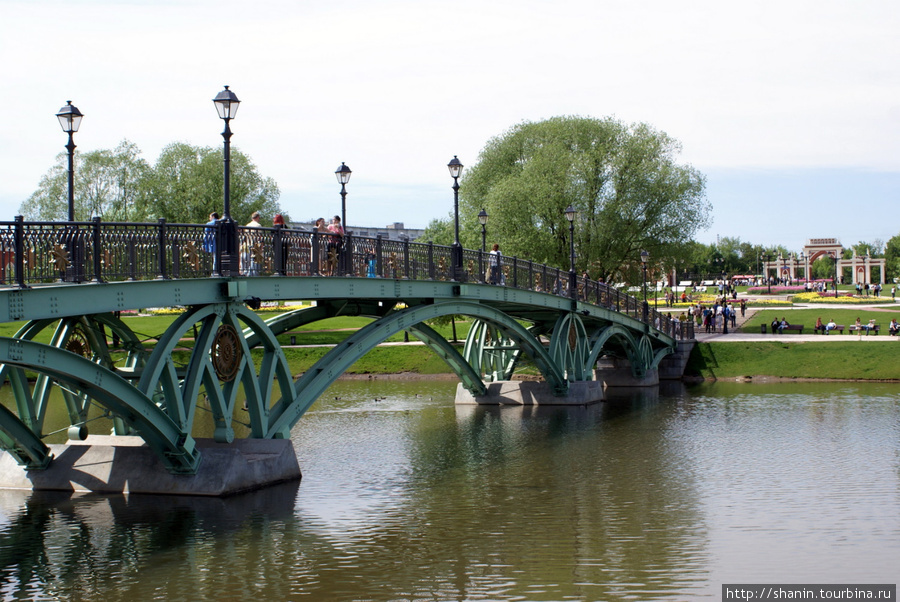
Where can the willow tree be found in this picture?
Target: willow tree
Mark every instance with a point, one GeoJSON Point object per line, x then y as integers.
{"type": "Point", "coordinates": [629, 192]}
{"type": "Point", "coordinates": [185, 185]}
{"type": "Point", "coordinates": [108, 184]}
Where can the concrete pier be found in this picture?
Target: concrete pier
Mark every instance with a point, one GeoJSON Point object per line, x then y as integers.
{"type": "Point", "coordinates": [672, 366]}
{"type": "Point", "coordinates": [515, 392]}
{"type": "Point", "coordinates": [616, 372]}
{"type": "Point", "coordinates": [109, 464]}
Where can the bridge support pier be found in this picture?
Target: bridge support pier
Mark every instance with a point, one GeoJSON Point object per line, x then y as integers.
{"type": "Point", "coordinates": [672, 366]}
{"type": "Point", "coordinates": [527, 393]}
{"type": "Point", "coordinates": [112, 464]}
{"type": "Point", "coordinates": [616, 372]}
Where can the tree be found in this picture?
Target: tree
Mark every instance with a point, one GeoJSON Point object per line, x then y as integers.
{"type": "Point", "coordinates": [440, 231]}
{"type": "Point", "coordinates": [185, 186]}
{"type": "Point", "coordinates": [108, 184]}
{"type": "Point", "coordinates": [623, 181]}
{"type": "Point", "coordinates": [188, 183]}
{"type": "Point", "coordinates": [892, 259]}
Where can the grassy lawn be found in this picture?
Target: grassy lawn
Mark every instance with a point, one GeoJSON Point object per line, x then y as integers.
{"type": "Point", "coordinates": [850, 360]}
{"type": "Point", "coordinates": [807, 317]}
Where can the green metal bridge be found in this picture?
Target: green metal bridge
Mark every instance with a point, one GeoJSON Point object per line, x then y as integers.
{"type": "Point", "coordinates": [68, 282]}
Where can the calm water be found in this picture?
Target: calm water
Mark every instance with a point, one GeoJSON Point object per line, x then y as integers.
{"type": "Point", "coordinates": [407, 497]}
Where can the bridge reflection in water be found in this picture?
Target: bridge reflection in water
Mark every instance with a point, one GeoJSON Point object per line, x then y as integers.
{"type": "Point", "coordinates": [68, 282]}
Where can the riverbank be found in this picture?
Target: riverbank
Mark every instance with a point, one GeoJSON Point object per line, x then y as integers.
{"type": "Point", "coordinates": [744, 361]}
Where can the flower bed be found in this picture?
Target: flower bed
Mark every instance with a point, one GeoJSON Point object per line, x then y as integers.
{"type": "Point", "coordinates": [845, 298]}
{"type": "Point", "coordinates": [775, 290]}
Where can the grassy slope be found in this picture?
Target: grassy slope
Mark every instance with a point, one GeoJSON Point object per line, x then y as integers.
{"type": "Point", "coordinates": [845, 360]}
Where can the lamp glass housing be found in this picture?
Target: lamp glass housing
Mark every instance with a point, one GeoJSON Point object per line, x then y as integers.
{"type": "Point", "coordinates": [226, 104]}
{"type": "Point", "coordinates": [455, 167]}
{"type": "Point", "coordinates": [570, 213]}
{"type": "Point", "coordinates": [482, 217]}
{"type": "Point", "coordinates": [342, 173]}
{"type": "Point", "coordinates": [69, 117]}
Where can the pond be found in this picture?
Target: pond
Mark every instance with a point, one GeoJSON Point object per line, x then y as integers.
{"type": "Point", "coordinates": [654, 494]}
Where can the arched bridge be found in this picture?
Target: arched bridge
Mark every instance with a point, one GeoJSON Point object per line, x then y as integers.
{"type": "Point", "coordinates": [66, 283]}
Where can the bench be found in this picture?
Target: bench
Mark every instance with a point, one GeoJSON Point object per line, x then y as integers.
{"type": "Point", "coordinates": [839, 327]}
{"type": "Point", "coordinates": [875, 328]}
{"type": "Point", "coordinates": [797, 327]}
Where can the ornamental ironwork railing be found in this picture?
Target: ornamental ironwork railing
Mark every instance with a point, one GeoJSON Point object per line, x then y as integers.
{"type": "Point", "coordinates": [96, 251]}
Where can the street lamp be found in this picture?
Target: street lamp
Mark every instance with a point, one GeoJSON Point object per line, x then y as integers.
{"type": "Point", "coordinates": [644, 257]}
{"type": "Point", "coordinates": [227, 104]}
{"type": "Point", "coordinates": [343, 176]}
{"type": "Point", "coordinates": [834, 255]}
{"type": "Point", "coordinates": [482, 219]}
{"type": "Point", "coordinates": [70, 118]}
{"type": "Point", "coordinates": [766, 257]}
{"type": "Point", "coordinates": [570, 215]}
{"type": "Point", "coordinates": [455, 167]}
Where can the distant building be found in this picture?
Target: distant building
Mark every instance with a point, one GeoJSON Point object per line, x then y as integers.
{"type": "Point", "coordinates": [395, 231]}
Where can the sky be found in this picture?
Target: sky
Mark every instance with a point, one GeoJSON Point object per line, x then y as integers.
{"type": "Point", "coordinates": [791, 109]}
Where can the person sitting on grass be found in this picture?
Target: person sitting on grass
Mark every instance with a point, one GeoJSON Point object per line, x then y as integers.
{"type": "Point", "coordinates": [893, 327]}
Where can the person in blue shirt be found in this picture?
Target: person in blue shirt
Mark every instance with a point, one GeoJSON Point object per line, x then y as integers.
{"type": "Point", "coordinates": [209, 234]}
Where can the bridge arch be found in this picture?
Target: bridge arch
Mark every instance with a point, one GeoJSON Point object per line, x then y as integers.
{"type": "Point", "coordinates": [108, 389]}
{"type": "Point", "coordinates": [638, 350]}
{"type": "Point", "coordinates": [324, 372]}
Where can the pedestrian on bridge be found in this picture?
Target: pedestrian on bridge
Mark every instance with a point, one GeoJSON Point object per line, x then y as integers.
{"type": "Point", "coordinates": [209, 233]}
{"type": "Point", "coordinates": [495, 263]}
{"type": "Point", "coordinates": [248, 260]}
{"type": "Point", "coordinates": [335, 244]}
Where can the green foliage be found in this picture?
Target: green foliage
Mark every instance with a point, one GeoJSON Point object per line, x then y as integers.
{"type": "Point", "coordinates": [892, 258]}
{"type": "Point", "coordinates": [108, 184]}
{"type": "Point", "coordinates": [185, 186]}
{"type": "Point", "coordinates": [439, 231]}
{"type": "Point", "coordinates": [623, 180]}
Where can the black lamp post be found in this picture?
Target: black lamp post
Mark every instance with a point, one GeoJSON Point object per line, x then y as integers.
{"type": "Point", "coordinates": [343, 176]}
{"type": "Point", "coordinates": [644, 257]}
{"type": "Point", "coordinates": [766, 257]}
{"type": "Point", "coordinates": [70, 118]}
{"type": "Point", "coordinates": [573, 285]}
{"type": "Point", "coordinates": [455, 167]}
{"type": "Point", "coordinates": [482, 219]}
{"type": "Point", "coordinates": [227, 105]}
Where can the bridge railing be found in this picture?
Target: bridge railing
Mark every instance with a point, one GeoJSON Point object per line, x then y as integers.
{"type": "Point", "coordinates": [96, 251]}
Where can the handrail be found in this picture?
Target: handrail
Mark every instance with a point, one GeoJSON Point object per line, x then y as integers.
{"type": "Point", "coordinates": [95, 251]}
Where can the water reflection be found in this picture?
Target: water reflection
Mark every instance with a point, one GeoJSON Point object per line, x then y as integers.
{"type": "Point", "coordinates": [91, 546]}
{"type": "Point", "coordinates": [654, 494]}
